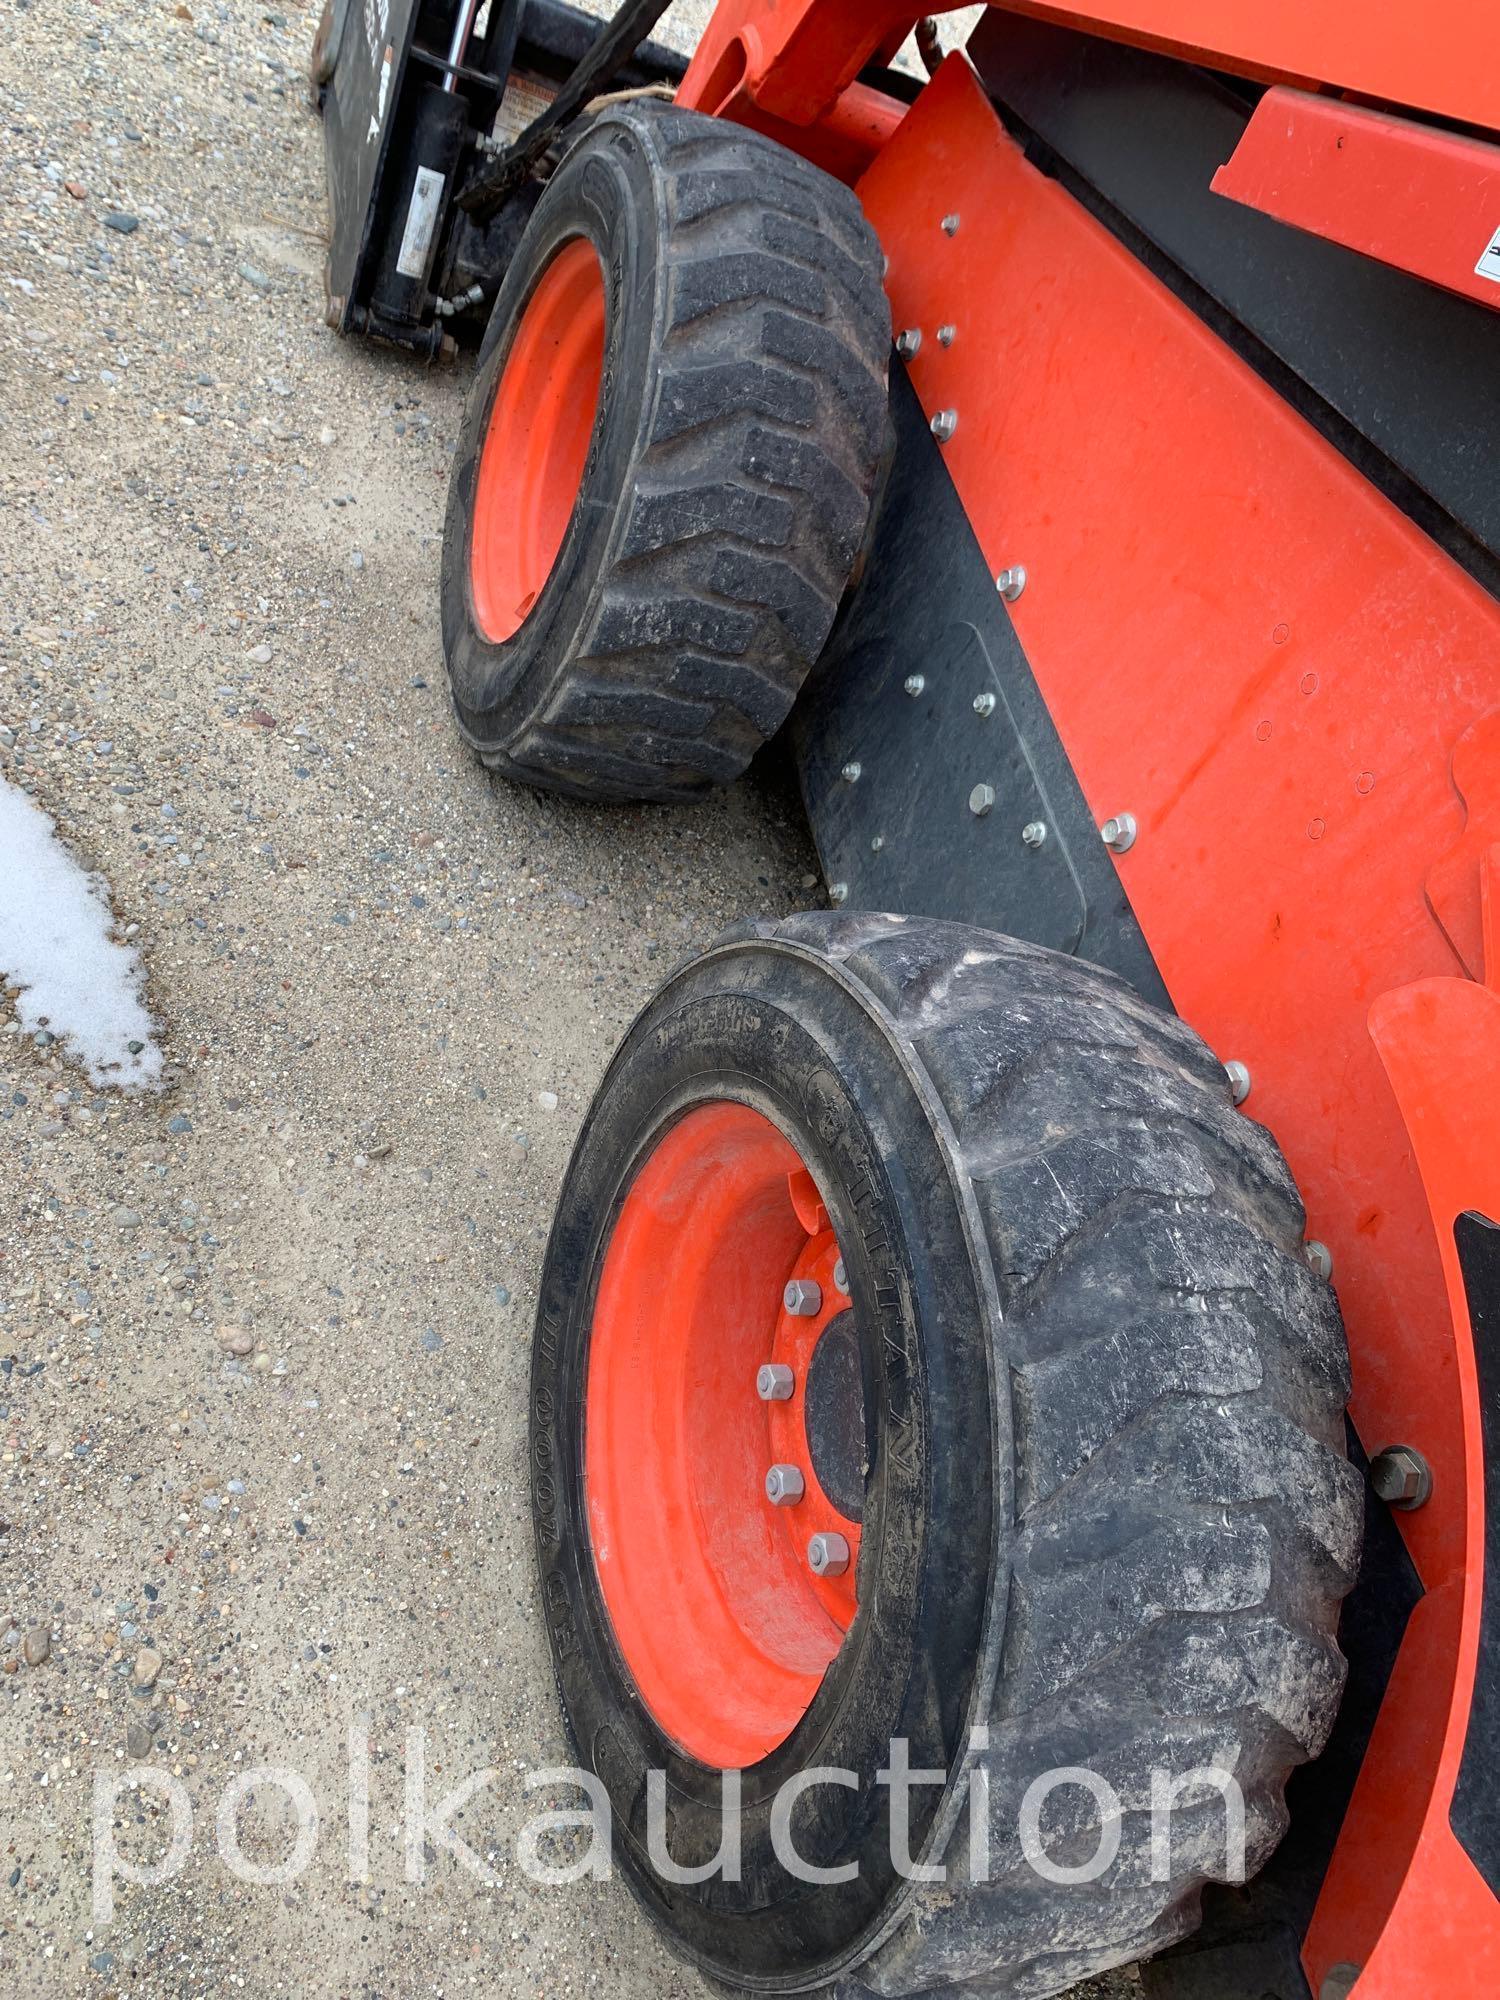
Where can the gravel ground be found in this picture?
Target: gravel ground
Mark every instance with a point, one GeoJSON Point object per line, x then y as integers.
{"type": "Point", "coordinates": [265, 1335]}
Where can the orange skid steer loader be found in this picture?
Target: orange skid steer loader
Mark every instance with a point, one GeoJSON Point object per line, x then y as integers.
{"type": "Point", "coordinates": [1015, 1418]}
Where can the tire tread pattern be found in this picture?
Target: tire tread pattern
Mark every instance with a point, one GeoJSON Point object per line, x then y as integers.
{"type": "Point", "coordinates": [1186, 1522]}
{"type": "Point", "coordinates": [750, 492]}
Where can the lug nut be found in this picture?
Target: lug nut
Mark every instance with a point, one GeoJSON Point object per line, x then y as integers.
{"type": "Point", "coordinates": [1319, 1258]}
{"type": "Point", "coordinates": [1239, 1081]}
{"type": "Point", "coordinates": [1034, 833]}
{"type": "Point", "coordinates": [838, 892]}
{"type": "Point", "coordinates": [1401, 1477]}
{"type": "Point", "coordinates": [850, 772]}
{"type": "Point", "coordinates": [1118, 833]}
{"type": "Point", "coordinates": [908, 341]}
{"type": "Point", "coordinates": [945, 335]}
{"type": "Point", "coordinates": [841, 1278]}
{"type": "Point", "coordinates": [785, 1485]}
{"type": "Point", "coordinates": [1011, 582]}
{"type": "Point", "coordinates": [774, 1382]}
{"type": "Point", "coordinates": [828, 1555]}
{"type": "Point", "coordinates": [950, 225]}
{"type": "Point", "coordinates": [914, 683]}
{"type": "Point", "coordinates": [984, 704]}
{"type": "Point", "coordinates": [803, 1298]}
{"type": "Point", "coordinates": [982, 800]}
{"type": "Point", "coordinates": [944, 424]}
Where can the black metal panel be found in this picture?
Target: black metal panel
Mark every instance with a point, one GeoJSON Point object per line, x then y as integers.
{"type": "Point", "coordinates": [1475, 1813]}
{"type": "Point", "coordinates": [1414, 370]}
{"type": "Point", "coordinates": [1249, 1946]}
{"type": "Point", "coordinates": [902, 836]}
{"type": "Point", "coordinates": [358, 122]}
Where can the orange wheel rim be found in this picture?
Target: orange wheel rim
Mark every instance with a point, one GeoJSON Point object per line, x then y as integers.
{"type": "Point", "coordinates": [719, 1618]}
{"type": "Point", "coordinates": [537, 443]}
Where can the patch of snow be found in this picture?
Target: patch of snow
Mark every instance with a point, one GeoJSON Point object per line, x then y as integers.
{"type": "Point", "coordinates": [55, 945]}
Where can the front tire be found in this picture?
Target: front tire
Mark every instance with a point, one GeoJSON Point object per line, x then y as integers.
{"type": "Point", "coordinates": [1106, 1518]}
{"type": "Point", "coordinates": [667, 460]}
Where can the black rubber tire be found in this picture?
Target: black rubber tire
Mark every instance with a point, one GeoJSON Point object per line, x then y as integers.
{"type": "Point", "coordinates": [731, 473]}
{"type": "Point", "coordinates": [1108, 1515]}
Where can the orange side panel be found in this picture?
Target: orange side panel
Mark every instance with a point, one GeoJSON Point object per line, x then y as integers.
{"type": "Point", "coordinates": [1249, 648]}
{"type": "Point", "coordinates": [794, 57]}
{"type": "Point", "coordinates": [1401, 1893]}
{"type": "Point", "coordinates": [1426, 201]}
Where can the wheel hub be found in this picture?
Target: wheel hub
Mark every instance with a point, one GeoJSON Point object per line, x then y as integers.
{"type": "Point", "coordinates": [723, 1451]}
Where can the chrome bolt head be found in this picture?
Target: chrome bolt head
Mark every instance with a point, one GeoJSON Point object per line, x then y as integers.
{"type": "Point", "coordinates": [803, 1298]}
{"type": "Point", "coordinates": [774, 1382]}
{"type": "Point", "coordinates": [1239, 1081]}
{"type": "Point", "coordinates": [945, 335]}
{"type": "Point", "coordinates": [1034, 833]}
{"type": "Point", "coordinates": [984, 704]}
{"type": "Point", "coordinates": [1401, 1477]}
{"type": "Point", "coordinates": [1118, 833]}
{"type": "Point", "coordinates": [944, 424]}
{"type": "Point", "coordinates": [838, 892]}
{"type": "Point", "coordinates": [1319, 1258]}
{"type": "Point", "coordinates": [841, 1277]}
{"type": "Point", "coordinates": [828, 1555]}
{"type": "Point", "coordinates": [851, 771]}
{"type": "Point", "coordinates": [982, 800]}
{"type": "Point", "coordinates": [1011, 582]}
{"type": "Point", "coordinates": [914, 684]}
{"type": "Point", "coordinates": [877, 841]}
{"type": "Point", "coordinates": [785, 1485]}
{"type": "Point", "coordinates": [908, 341]}
{"type": "Point", "coordinates": [950, 224]}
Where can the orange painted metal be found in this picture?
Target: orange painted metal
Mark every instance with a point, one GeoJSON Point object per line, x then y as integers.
{"type": "Point", "coordinates": [677, 1443]}
{"type": "Point", "coordinates": [795, 57]}
{"type": "Point", "coordinates": [1456, 879]}
{"type": "Point", "coordinates": [1249, 648]}
{"type": "Point", "coordinates": [1402, 1899]}
{"type": "Point", "coordinates": [1424, 200]}
{"type": "Point", "coordinates": [537, 443]}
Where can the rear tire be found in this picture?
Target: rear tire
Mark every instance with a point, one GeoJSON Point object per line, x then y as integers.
{"type": "Point", "coordinates": [727, 486]}
{"type": "Point", "coordinates": [1107, 1516]}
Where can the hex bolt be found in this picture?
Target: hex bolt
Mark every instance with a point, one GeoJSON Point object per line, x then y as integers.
{"type": "Point", "coordinates": [1401, 1477]}
{"type": "Point", "coordinates": [908, 341]}
{"type": "Point", "coordinates": [1339, 1981]}
{"type": "Point", "coordinates": [1239, 1081]}
{"type": "Point", "coordinates": [944, 424]}
{"type": "Point", "coordinates": [828, 1555]}
{"type": "Point", "coordinates": [877, 841]}
{"type": "Point", "coordinates": [1118, 832]}
{"type": "Point", "coordinates": [982, 800]}
{"type": "Point", "coordinates": [838, 892]}
{"type": "Point", "coordinates": [984, 704]}
{"type": "Point", "coordinates": [1034, 833]}
{"type": "Point", "coordinates": [785, 1485]}
{"type": "Point", "coordinates": [945, 335]}
{"type": "Point", "coordinates": [950, 224]}
{"type": "Point", "coordinates": [1011, 582]}
{"type": "Point", "coordinates": [774, 1382]}
{"type": "Point", "coordinates": [803, 1298]}
{"type": "Point", "coordinates": [841, 1278]}
{"type": "Point", "coordinates": [851, 771]}
{"type": "Point", "coordinates": [914, 684]}
{"type": "Point", "coordinates": [1319, 1258]}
